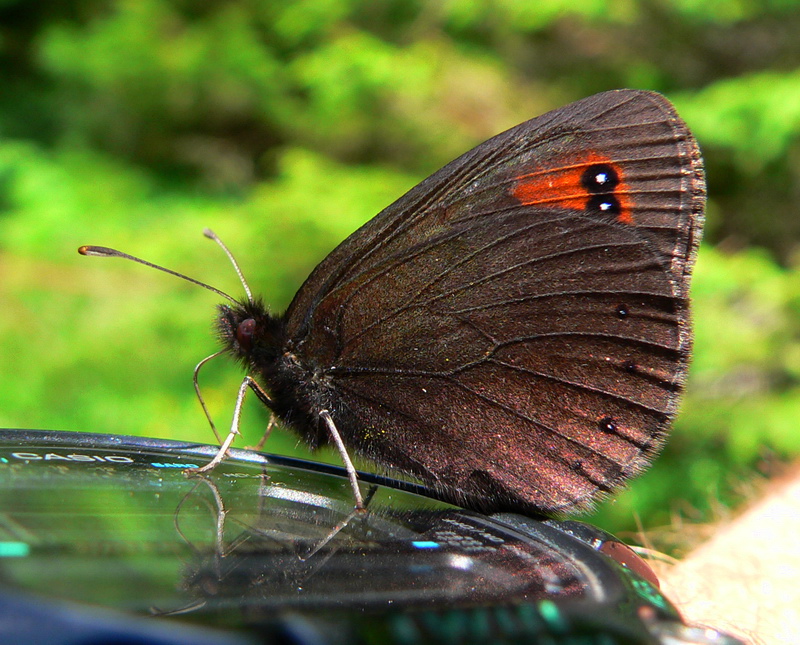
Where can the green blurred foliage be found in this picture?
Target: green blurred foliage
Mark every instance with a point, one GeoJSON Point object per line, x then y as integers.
{"type": "Point", "coordinates": [284, 125]}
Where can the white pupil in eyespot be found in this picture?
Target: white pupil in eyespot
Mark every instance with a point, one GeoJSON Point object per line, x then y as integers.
{"type": "Point", "coordinates": [601, 178]}
{"type": "Point", "coordinates": [605, 206]}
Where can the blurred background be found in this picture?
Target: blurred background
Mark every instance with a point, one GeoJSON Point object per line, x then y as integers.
{"type": "Point", "coordinates": [285, 125]}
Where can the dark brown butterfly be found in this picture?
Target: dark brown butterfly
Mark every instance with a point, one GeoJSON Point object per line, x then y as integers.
{"type": "Point", "coordinates": [514, 331]}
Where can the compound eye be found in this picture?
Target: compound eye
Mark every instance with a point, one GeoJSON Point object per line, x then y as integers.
{"type": "Point", "coordinates": [245, 332]}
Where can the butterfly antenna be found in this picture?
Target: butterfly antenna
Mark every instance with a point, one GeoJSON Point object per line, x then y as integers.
{"type": "Point", "coordinates": [105, 252]}
{"type": "Point", "coordinates": [211, 235]}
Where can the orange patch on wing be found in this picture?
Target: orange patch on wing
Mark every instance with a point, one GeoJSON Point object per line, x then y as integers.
{"type": "Point", "coordinates": [562, 187]}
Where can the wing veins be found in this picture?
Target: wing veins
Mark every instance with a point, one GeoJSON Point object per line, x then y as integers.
{"type": "Point", "coordinates": [547, 171]}
{"type": "Point", "coordinates": [424, 248]}
{"type": "Point", "coordinates": [497, 404]}
{"type": "Point", "coordinates": [520, 265]}
{"type": "Point", "coordinates": [553, 294]}
{"type": "Point", "coordinates": [577, 386]}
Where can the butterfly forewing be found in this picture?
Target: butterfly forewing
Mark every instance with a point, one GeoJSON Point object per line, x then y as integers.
{"type": "Point", "coordinates": [514, 330]}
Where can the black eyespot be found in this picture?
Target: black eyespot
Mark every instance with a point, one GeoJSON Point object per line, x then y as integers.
{"type": "Point", "coordinates": [600, 178]}
{"type": "Point", "coordinates": [606, 424]}
{"type": "Point", "coordinates": [630, 367]}
{"type": "Point", "coordinates": [604, 204]}
{"type": "Point", "coordinates": [622, 310]}
{"type": "Point", "coordinates": [244, 334]}
{"type": "Point", "coordinates": [600, 181]}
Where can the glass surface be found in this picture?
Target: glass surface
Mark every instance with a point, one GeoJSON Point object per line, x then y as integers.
{"type": "Point", "coordinates": [125, 527]}
{"type": "Point", "coordinates": [116, 522]}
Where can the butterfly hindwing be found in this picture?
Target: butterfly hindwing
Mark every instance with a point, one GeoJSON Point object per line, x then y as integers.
{"type": "Point", "coordinates": [514, 330]}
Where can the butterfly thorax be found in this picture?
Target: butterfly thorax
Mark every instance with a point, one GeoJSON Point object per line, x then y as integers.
{"type": "Point", "coordinates": [297, 391]}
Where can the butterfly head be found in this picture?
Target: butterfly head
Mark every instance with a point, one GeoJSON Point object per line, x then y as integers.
{"type": "Point", "coordinates": [249, 332]}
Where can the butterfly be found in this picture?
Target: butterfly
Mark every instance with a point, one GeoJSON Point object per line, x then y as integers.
{"type": "Point", "coordinates": [514, 331]}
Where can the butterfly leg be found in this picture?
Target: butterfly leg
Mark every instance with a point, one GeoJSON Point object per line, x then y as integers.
{"type": "Point", "coordinates": [247, 382]}
{"type": "Point", "coordinates": [273, 421]}
{"type": "Point", "coordinates": [348, 465]}
{"type": "Point", "coordinates": [200, 394]}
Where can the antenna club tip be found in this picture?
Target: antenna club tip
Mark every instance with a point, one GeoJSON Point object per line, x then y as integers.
{"type": "Point", "coordinates": [211, 235]}
{"type": "Point", "coordinates": [99, 251]}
